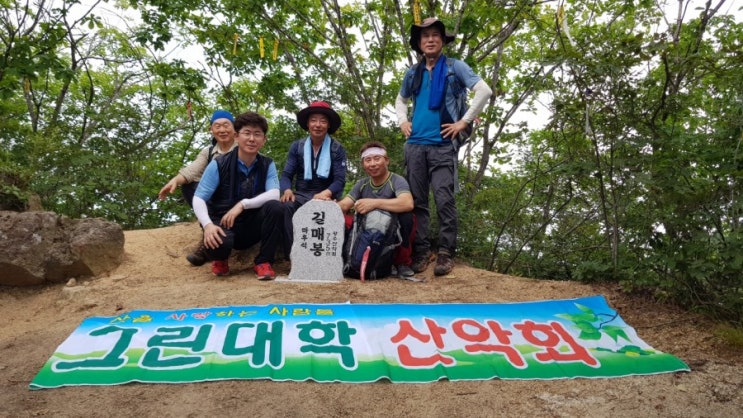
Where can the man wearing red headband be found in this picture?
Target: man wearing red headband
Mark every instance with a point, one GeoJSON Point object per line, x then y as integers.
{"type": "Point", "coordinates": [386, 191]}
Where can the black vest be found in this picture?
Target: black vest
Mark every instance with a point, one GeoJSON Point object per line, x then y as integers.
{"type": "Point", "coordinates": [234, 185]}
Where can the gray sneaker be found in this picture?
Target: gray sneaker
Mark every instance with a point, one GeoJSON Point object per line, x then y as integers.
{"type": "Point", "coordinates": [405, 271]}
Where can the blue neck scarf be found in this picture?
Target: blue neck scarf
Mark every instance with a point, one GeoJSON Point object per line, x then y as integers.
{"type": "Point", "coordinates": [438, 84]}
{"type": "Point", "coordinates": [323, 163]}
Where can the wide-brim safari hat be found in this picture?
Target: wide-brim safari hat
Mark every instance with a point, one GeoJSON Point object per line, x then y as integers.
{"type": "Point", "coordinates": [415, 32]}
{"type": "Point", "coordinates": [321, 108]}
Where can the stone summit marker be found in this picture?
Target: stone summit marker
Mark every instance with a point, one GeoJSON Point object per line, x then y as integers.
{"type": "Point", "coordinates": [318, 243]}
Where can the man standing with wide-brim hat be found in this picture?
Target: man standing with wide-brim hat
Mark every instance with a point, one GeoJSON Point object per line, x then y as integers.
{"type": "Point", "coordinates": [315, 166]}
{"type": "Point", "coordinates": [440, 121]}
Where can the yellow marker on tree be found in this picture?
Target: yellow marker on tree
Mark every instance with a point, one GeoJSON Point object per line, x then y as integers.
{"type": "Point", "coordinates": [563, 23]}
{"type": "Point", "coordinates": [260, 45]}
{"type": "Point", "coordinates": [275, 49]}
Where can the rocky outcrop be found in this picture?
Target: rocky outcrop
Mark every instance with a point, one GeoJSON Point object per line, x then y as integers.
{"type": "Point", "coordinates": [44, 247]}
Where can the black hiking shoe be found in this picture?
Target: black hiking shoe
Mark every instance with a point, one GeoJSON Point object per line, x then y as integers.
{"type": "Point", "coordinates": [198, 257]}
{"type": "Point", "coordinates": [444, 265]}
{"type": "Point", "coordinates": [420, 262]}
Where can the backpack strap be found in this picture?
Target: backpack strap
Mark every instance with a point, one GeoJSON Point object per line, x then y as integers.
{"type": "Point", "coordinates": [450, 73]}
{"type": "Point", "coordinates": [451, 80]}
{"type": "Point", "coordinates": [451, 77]}
{"type": "Point", "coordinates": [210, 156]}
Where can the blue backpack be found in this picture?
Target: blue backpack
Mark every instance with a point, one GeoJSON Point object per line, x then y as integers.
{"type": "Point", "coordinates": [370, 245]}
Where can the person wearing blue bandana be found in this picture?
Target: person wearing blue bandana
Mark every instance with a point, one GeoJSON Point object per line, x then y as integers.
{"type": "Point", "coordinates": [440, 122]}
{"type": "Point", "coordinates": [223, 141]}
{"type": "Point", "coordinates": [315, 166]}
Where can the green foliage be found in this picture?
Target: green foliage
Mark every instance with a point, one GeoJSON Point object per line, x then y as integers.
{"type": "Point", "coordinates": [632, 175]}
{"type": "Point", "coordinates": [14, 193]}
{"type": "Point", "coordinates": [94, 140]}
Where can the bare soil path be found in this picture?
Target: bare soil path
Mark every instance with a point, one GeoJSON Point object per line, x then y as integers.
{"type": "Point", "coordinates": [155, 275]}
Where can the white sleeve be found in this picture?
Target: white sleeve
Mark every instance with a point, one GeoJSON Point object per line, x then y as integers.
{"type": "Point", "coordinates": [261, 199]}
{"type": "Point", "coordinates": [482, 94]}
{"type": "Point", "coordinates": [201, 211]}
{"type": "Point", "coordinates": [401, 109]}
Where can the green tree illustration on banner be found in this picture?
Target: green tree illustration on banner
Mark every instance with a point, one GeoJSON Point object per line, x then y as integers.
{"type": "Point", "coordinates": [586, 321]}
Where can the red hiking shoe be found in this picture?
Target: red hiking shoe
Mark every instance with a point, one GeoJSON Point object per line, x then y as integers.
{"type": "Point", "coordinates": [220, 268]}
{"type": "Point", "coordinates": [264, 271]}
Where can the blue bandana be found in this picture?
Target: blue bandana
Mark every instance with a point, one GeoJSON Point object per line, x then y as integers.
{"type": "Point", "coordinates": [222, 114]}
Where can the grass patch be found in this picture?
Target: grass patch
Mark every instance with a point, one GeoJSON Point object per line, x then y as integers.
{"type": "Point", "coordinates": [732, 336]}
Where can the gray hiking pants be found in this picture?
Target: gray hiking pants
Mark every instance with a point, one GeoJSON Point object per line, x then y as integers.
{"type": "Point", "coordinates": [427, 168]}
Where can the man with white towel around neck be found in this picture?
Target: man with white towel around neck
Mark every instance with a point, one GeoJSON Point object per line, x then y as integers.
{"type": "Point", "coordinates": [315, 166]}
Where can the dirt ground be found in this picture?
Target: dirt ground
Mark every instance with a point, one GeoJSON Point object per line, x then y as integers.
{"type": "Point", "coordinates": [155, 275]}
